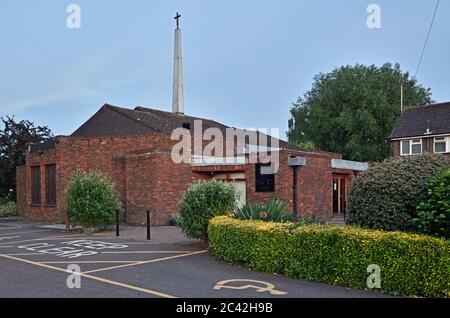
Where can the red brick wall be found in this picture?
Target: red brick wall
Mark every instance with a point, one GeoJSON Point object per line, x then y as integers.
{"type": "Point", "coordinates": [21, 199]}
{"type": "Point", "coordinates": [154, 182]}
{"type": "Point", "coordinates": [314, 184]}
{"type": "Point", "coordinates": [106, 154]}
{"type": "Point", "coordinates": [42, 212]}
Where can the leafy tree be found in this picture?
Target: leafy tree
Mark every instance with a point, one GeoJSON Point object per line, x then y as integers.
{"type": "Point", "coordinates": [353, 109]}
{"type": "Point", "coordinates": [14, 138]}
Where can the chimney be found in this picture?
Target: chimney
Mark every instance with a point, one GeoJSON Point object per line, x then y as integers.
{"type": "Point", "coordinates": [178, 96]}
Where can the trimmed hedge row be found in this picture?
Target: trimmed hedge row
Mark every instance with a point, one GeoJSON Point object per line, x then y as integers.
{"type": "Point", "coordinates": [410, 264]}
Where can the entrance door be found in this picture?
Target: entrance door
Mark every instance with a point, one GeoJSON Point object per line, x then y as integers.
{"type": "Point", "coordinates": [240, 187]}
{"type": "Point", "coordinates": [340, 194]}
{"type": "Point", "coordinates": [237, 180]}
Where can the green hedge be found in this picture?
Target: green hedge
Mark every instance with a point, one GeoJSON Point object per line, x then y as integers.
{"type": "Point", "coordinates": [7, 208]}
{"type": "Point", "coordinates": [385, 197]}
{"type": "Point", "coordinates": [410, 264]}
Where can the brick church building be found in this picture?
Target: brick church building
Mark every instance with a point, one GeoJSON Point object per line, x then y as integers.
{"type": "Point", "coordinates": [133, 147]}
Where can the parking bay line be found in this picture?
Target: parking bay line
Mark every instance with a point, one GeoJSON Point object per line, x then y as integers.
{"type": "Point", "coordinates": [145, 262]}
{"type": "Point", "coordinates": [149, 252]}
{"type": "Point", "coordinates": [15, 233]}
{"type": "Point", "coordinates": [24, 254]}
{"type": "Point", "coordinates": [99, 238]}
{"type": "Point", "coordinates": [88, 262]}
{"type": "Point", "coordinates": [104, 280]}
{"type": "Point", "coordinates": [39, 239]}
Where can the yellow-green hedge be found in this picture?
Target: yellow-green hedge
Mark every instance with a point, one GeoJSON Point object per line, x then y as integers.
{"type": "Point", "coordinates": [410, 264]}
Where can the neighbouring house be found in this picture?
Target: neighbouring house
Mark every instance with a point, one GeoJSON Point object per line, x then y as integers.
{"type": "Point", "coordinates": [422, 129]}
{"type": "Point", "coordinates": [133, 146]}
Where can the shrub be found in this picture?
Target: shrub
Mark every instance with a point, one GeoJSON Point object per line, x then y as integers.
{"type": "Point", "coordinates": [92, 199]}
{"type": "Point", "coordinates": [275, 211]}
{"type": "Point", "coordinates": [411, 264]}
{"type": "Point", "coordinates": [7, 208]}
{"type": "Point", "coordinates": [434, 213]}
{"type": "Point", "coordinates": [202, 201]}
{"type": "Point", "coordinates": [386, 195]}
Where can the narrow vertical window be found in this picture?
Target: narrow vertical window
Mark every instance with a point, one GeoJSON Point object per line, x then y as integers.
{"type": "Point", "coordinates": [264, 182]}
{"type": "Point", "coordinates": [405, 147]}
{"type": "Point", "coordinates": [36, 185]}
{"type": "Point", "coordinates": [50, 184]}
{"type": "Point", "coordinates": [416, 146]}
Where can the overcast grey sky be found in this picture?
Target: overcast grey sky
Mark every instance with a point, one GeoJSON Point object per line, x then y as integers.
{"type": "Point", "coordinates": [245, 62]}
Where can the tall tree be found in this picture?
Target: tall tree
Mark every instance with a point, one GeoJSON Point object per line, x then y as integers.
{"type": "Point", "coordinates": [353, 109]}
{"type": "Point", "coordinates": [14, 139]}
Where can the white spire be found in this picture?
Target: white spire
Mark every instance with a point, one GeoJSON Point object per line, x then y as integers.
{"type": "Point", "coordinates": [178, 97]}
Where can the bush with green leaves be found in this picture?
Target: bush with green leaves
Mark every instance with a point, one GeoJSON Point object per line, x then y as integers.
{"type": "Point", "coordinates": [274, 211]}
{"type": "Point", "coordinates": [386, 195]}
{"type": "Point", "coordinates": [433, 214]}
{"type": "Point", "coordinates": [410, 264]}
{"type": "Point", "coordinates": [92, 199]}
{"type": "Point", "coordinates": [7, 208]}
{"type": "Point", "coordinates": [204, 200]}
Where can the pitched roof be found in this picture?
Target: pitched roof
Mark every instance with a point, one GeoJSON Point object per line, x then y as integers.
{"type": "Point", "coordinates": [414, 121]}
{"type": "Point", "coordinates": [113, 120]}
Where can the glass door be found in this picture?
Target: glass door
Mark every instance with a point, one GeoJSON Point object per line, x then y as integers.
{"type": "Point", "coordinates": [340, 194]}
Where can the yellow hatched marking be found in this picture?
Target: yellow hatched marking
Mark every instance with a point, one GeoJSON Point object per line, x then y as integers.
{"type": "Point", "coordinates": [149, 252]}
{"type": "Point", "coordinates": [107, 281]}
{"type": "Point", "coordinates": [145, 262]}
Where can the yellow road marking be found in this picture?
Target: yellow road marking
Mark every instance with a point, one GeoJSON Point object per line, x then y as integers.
{"type": "Point", "coordinates": [24, 254]}
{"type": "Point", "coordinates": [87, 262]}
{"type": "Point", "coordinates": [107, 281]}
{"type": "Point", "coordinates": [99, 238]}
{"type": "Point", "coordinates": [148, 252]}
{"type": "Point", "coordinates": [39, 239]}
{"type": "Point", "coordinates": [111, 237]}
{"type": "Point", "coordinates": [8, 237]}
{"type": "Point", "coordinates": [14, 233]}
{"type": "Point", "coordinates": [145, 262]}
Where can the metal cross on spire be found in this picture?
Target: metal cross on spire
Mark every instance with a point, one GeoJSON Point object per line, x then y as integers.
{"type": "Point", "coordinates": [177, 17]}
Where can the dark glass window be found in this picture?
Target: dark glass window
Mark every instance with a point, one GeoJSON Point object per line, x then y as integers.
{"type": "Point", "coordinates": [36, 185]}
{"type": "Point", "coordinates": [264, 182]}
{"type": "Point", "coordinates": [50, 184]}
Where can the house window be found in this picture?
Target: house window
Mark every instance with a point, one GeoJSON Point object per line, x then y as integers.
{"type": "Point", "coordinates": [411, 147]}
{"type": "Point", "coordinates": [50, 184]}
{"type": "Point", "coordinates": [36, 185]}
{"type": "Point", "coordinates": [405, 147]}
{"type": "Point", "coordinates": [264, 182]}
{"type": "Point", "coordinates": [416, 146]}
{"type": "Point", "coordinates": [440, 145]}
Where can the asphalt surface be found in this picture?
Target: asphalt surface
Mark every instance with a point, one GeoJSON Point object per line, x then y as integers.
{"type": "Point", "coordinates": [34, 262]}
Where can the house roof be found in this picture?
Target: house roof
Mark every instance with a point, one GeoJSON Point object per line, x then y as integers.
{"type": "Point", "coordinates": [415, 121]}
{"type": "Point", "coordinates": [113, 120]}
